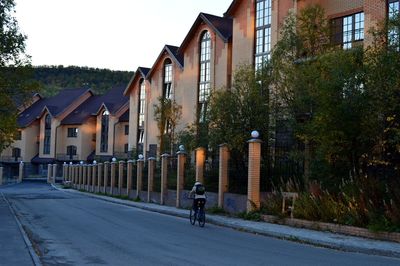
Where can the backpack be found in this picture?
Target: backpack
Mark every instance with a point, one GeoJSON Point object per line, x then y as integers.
{"type": "Point", "coordinates": [200, 189]}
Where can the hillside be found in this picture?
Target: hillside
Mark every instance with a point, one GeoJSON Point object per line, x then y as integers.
{"type": "Point", "coordinates": [54, 78]}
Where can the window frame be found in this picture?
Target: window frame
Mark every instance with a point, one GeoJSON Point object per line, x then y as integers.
{"type": "Point", "coordinates": [204, 87]}
{"type": "Point", "coordinates": [167, 79]}
{"type": "Point", "coordinates": [345, 30]}
{"type": "Point", "coordinates": [262, 34]}
{"type": "Point", "coordinates": [47, 134]}
{"type": "Point", "coordinates": [72, 132]}
{"type": "Point", "coordinates": [105, 124]}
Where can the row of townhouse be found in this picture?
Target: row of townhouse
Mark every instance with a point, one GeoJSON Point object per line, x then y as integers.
{"type": "Point", "coordinates": [215, 46]}
{"type": "Point", "coordinates": [77, 125]}
{"type": "Point", "coordinates": [74, 125]}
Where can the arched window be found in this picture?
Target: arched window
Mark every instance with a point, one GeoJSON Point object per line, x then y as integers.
{"type": "Point", "coordinates": [263, 32]}
{"type": "Point", "coordinates": [205, 74]}
{"type": "Point", "coordinates": [142, 106]}
{"type": "Point", "coordinates": [71, 152]}
{"type": "Point", "coordinates": [16, 154]}
{"type": "Point", "coordinates": [105, 120]}
{"type": "Point", "coordinates": [47, 134]}
{"type": "Point", "coordinates": [167, 91]}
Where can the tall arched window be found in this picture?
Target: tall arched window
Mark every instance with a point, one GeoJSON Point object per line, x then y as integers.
{"type": "Point", "coordinates": [142, 106]}
{"type": "Point", "coordinates": [167, 91]}
{"type": "Point", "coordinates": [47, 134]}
{"type": "Point", "coordinates": [105, 120]}
{"type": "Point", "coordinates": [71, 152]}
{"type": "Point", "coordinates": [205, 74]}
{"type": "Point", "coordinates": [263, 32]}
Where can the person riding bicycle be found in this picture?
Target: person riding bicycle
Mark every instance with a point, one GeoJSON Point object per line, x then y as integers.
{"type": "Point", "coordinates": [199, 192]}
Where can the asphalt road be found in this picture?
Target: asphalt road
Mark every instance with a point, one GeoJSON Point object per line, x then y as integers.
{"type": "Point", "coordinates": [72, 229]}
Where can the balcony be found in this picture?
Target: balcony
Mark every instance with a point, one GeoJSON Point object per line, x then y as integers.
{"type": "Point", "coordinates": [67, 157]}
{"type": "Point", "coordinates": [10, 159]}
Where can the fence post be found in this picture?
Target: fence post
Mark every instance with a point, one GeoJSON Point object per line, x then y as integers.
{"type": "Point", "coordinates": [94, 177]}
{"type": "Point", "coordinates": [84, 180]}
{"type": "Point", "coordinates": [139, 179]}
{"type": "Point", "coordinates": [129, 168]}
{"type": "Point", "coordinates": [99, 176]}
{"type": "Point", "coordinates": [112, 177]}
{"type": "Point", "coordinates": [150, 177]}
{"type": "Point", "coordinates": [164, 177]}
{"type": "Point", "coordinates": [70, 173]}
{"type": "Point", "coordinates": [180, 179]}
{"type": "Point", "coordinates": [73, 175]}
{"type": "Point", "coordinates": [253, 187]}
{"type": "Point", "coordinates": [106, 167]}
{"type": "Point", "coordinates": [49, 174]}
{"type": "Point", "coordinates": [120, 176]}
{"type": "Point", "coordinates": [81, 185]}
{"type": "Point", "coordinates": [1, 176]}
{"type": "Point", "coordinates": [54, 173]}
{"type": "Point", "coordinates": [223, 182]}
{"type": "Point", "coordinates": [21, 172]}
{"type": "Point", "coordinates": [64, 172]}
{"type": "Point", "coordinates": [89, 177]}
{"type": "Point", "coordinates": [200, 159]}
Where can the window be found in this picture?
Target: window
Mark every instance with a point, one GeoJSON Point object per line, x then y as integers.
{"type": "Point", "coordinates": [18, 135]}
{"type": "Point", "coordinates": [72, 132]}
{"type": "Point", "coordinates": [105, 118]}
{"type": "Point", "coordinates": [205, 74]}
{"type": "Point", "coordinates": [47, 134]}
{"type": "Point", "coordinates": [394, 32]}
{"type": "Point", "coordinates": [71, 152]}
{"type": "Point", "coordinates": [126, 130]}
{"type": "Point", "coordinates": [16, 153]}
{"type": "Point", "coordinates": [263, 32]}
{"type": "Point", "coordinates": [167, 92]}
{"type": "Point", "coordinates": [348, 30]}
{"type": "Point", "coordinates": [126, 148]}
{"type": "Point", "coordinates": [142, 105]}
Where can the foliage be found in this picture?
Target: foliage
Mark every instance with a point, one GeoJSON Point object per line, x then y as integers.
{"type": "Point", "coordinates": [216, 210]}
{"type": "Point", "coordinates": [167, 115]}
{"type": "Point", "coordinates": [251, 216]}
{"type": "Point", "coordinates": [15, 72]}
{"type": "Point", "coordinates": [54, 78]}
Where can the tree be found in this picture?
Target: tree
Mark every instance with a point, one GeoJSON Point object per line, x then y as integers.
{"type": "Point", "coordinates": [15, 87]}
{"type": "Point", "coordinates": [167, 115]}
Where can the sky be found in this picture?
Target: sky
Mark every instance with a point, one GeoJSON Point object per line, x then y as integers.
{"type": "Point", "coordinates": [113, 34]}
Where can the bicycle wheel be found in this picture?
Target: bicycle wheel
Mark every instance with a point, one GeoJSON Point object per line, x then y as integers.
{"type": "Point", "coordinates": [202, 218]}
{"type": "Point", "coordinates": [192, 216]}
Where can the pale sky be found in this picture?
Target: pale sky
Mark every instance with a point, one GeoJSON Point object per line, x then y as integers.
{"type": "Point", "coordinates": [114, 34]}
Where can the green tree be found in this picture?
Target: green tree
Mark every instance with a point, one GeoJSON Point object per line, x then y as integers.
{"type": "Point", "coordinates": [15, 72]}
{"type": "Point", "coordinates": [167, 114]}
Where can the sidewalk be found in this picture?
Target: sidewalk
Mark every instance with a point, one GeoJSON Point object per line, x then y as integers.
{"type": "Point", "coordinates": [318, 238]}
{"type": "Point", "coordinates": [13, 249]}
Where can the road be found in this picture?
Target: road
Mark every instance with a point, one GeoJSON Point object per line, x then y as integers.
{"type": "Point", "coordinates": [73, 229]}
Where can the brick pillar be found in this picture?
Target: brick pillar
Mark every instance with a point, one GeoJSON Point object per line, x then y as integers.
{"type": "Point", "coordinates": [99, 176]}
{"type": "Point", "coordinates": [180, 179]}
{"type": "Point", "coordinates": [21, 172]}
{"type": "Point", "coordinates": [73, 175]}
{"type": "Point", "coordinates": [84, 179]}
{"type": "Point", "coordinates": [120, 176]}
{"type": "Point", "coordinates": [64, 175]}
{"type": "Point", "coordinates": [49, 173]}
{"type": "Point", "coordinates": [164, 177]}
{"type": "Point", "coordinates": [105, 183]}
{"type": "Point", "coordinates": [253, 187]}
{"type": "Point", "coordinates": [94, 177]}
{"type": "Point", "coordinates": [112, 177]}
{"type": "Point", "coordinates": [89, 176]}
{"type": "Point", "coordinates": [54, 173]}
{"type": "Point", "coordinates": [223, 182]}
{"type": "Point", "coordinates": [1, 176]}
{"type": "Point", "coordinates": [150, 177]}
{"type": "Point", "coordinates": [70, 173]}
{"type": "Point", "coordinates": [200, 159]}
{"type": "Point", "coordinates": [129, 168]}
{"type": "Point", "coordinates": [139, 180]}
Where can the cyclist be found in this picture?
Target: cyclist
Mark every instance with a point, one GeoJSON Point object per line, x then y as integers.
{"type": "Point", "coordinates": [199, 192]}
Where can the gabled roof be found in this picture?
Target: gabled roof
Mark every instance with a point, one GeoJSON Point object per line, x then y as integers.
{"type": "Point", "coordinates": [84, 111]}
{"type": "Point", "coordinates": [173, 53]}
{"type": "Point", "coordinates": [141, 72]}
{"type": "Point", "coordinates": [54, 105]}
{"type": "Point", "coordinates": [231, 8]}
{"type": "Point", "coordinates": [114, 100]}
{"type": "Point", "coordinates": [221, 25]}
{"type": "Point", "coordinates": [124, 117]}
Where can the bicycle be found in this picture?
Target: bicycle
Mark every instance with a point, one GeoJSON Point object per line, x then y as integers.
{"type": "Point", "coordinates": [198, 214]}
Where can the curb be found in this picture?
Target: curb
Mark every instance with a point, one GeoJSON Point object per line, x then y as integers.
{"type": "Point", "coordinates": [35, 258]}
{"type": "Point", "coordinates": [251, 227]}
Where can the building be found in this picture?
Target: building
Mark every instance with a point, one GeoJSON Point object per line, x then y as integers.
{"type": "Point", "coordinates": [216, 45]}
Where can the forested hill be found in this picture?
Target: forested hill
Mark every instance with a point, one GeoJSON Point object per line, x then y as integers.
{"type": "Point", "coordinates": [54, 78]}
